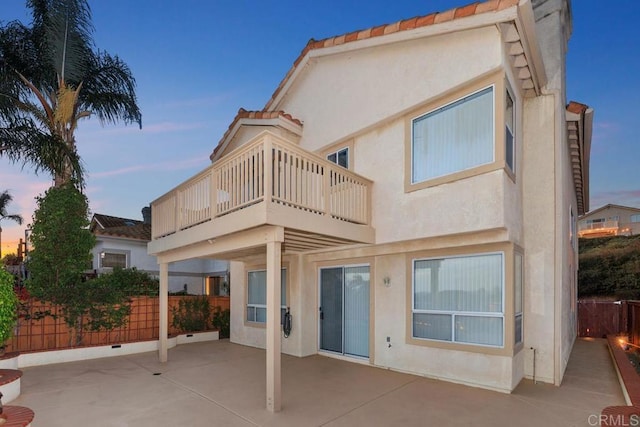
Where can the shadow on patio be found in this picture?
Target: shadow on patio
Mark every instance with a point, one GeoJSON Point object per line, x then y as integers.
{"type": "Point", "coordinates": [223, 384]}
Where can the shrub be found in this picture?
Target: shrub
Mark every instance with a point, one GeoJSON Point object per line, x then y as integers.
{"type": "Point", "coordinates": [192, 314]}
{"type": "Point", "coordinates": [222, 321]}
{"type": "Point", "coordinates": [8, 306]}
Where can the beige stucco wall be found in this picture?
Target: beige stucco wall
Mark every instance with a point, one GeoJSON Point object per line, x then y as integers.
{"type": "Point", "coordinates": [367, 108]}
{"type": "Point", "coordinates": [473, 368]}
{"type": "Point", "coordinates": [252, 334]}
{"type": "Point", "coordinates": [379, 83]}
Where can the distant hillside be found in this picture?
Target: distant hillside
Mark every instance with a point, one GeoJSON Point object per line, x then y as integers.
{"type": "Point", "coordinates": [610, 266]}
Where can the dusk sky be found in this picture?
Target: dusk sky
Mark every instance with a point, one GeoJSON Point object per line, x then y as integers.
{"type": "Point", "coordinates": [197, 62]}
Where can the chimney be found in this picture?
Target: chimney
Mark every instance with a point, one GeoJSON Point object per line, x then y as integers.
{"type": "Point", "coordinates": [146, 215]}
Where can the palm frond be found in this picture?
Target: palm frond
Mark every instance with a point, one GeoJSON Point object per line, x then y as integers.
{"type": "Point", "coordinates": [110, 91]}
{"type": "Point", "coordinates": [5, 199]}
{"type": "Point", "coordinates": [68, 33]}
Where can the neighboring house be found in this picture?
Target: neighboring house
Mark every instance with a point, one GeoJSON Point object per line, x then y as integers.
{"type": "Point", "coordinates": [410, 192]}
{"type": "Point", "coordinates": [122, 242]}
{"type": "Point", "coordinates": [610, 220]}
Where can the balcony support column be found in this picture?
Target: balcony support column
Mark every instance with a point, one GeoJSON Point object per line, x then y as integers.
{"type": "Point", "coordinates": [274, 263]}
{"type": "Point", "coordinates": [163, 298]}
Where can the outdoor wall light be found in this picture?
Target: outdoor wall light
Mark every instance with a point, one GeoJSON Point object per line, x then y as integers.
{"type": "Point", "coordinates": [101, 255]}
{"type": "Point", "coordinates": [387, 281]}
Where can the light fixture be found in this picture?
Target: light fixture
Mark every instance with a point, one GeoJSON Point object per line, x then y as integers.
{"type": "Point", "coordinates": [387, 281]}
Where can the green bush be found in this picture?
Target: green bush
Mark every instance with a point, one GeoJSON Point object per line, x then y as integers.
{"type": "Point", "coordinates": [609, 266]}
{"type": "Point", "coordinates": [8, 306]}
{"type": "Point", "coordinates": [193, 314]}
{"type": "Point", "coordinates": [129, 282]}
{"type": "Point", "coordinates": [222, 321]}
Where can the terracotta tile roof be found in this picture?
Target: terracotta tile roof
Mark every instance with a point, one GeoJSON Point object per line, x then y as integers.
{"type": "Point", "coordinates": [244, 114]}
{"type": "Point", "coordinates": [106, 225]}
{"type": "Point", "coordinates": [576, 107]}
{"type": "Point", "coordinates": [404, 25]}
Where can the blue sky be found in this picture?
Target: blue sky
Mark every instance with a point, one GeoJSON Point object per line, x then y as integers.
{"type": "Point", "coordinates": [197, 61]}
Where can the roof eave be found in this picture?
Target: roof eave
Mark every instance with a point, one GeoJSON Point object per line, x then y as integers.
{"type": "Point", "coordinates": [245, 121]}
{"type": "Point", "coordinates": [509, 14]}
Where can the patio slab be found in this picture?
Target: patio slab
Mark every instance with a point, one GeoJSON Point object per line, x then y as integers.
{"type": "Point", "coordinates": [223, 384]}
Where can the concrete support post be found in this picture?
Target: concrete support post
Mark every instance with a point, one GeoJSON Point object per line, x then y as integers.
{"type": "Point", "coordinates": [274, 261]}
{"type": "Point", "coordinates": [163, 297]}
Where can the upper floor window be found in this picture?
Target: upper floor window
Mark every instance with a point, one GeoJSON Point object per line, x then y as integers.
{"type": "Point", "coordinates": [635, 218]}
{"type": "Point", "coordinates": [509, 140]}
{"type": "Point", "coordinates": [340, 157]}
{"type": "Point", "coordinates": [453, 138]}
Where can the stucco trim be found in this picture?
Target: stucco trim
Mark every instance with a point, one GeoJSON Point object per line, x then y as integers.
{"type": "Point", "coordinates": [507, 249]}
{"type": "Point", "coordinates": [496, 79]}
{"type": "Point", "coordinates": [259, 266]}
{"type": "Point", "coordinates": [347, 262]}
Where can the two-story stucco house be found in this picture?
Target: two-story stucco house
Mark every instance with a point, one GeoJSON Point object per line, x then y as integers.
{"type": "Point", "coordinates": [410, 193]}
{"type": "Point", "coordinates": [610, 220]}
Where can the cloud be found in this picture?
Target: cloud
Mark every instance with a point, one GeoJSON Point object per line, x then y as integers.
{"type": "Point", "coordinates": [621, 197]}
{"type": "Point", "coordinates": [160, 166]}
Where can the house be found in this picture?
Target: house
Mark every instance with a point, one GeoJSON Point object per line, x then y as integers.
{"type": "Point", "coordinates": [122, 242]}
{"type": "Point", "coordinates": [410, 193]}
{"type": "Point", "coordinates": [610, 220]}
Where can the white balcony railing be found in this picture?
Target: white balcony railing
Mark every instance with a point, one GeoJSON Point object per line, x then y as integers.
{"type": "Point", "coordinates": [267, 170]}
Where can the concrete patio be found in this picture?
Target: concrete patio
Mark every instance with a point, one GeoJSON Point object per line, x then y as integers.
{"type": "Point", "coordinates": [223, 384]}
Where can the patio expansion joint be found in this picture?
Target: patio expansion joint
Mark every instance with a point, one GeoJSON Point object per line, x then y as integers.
{"type": "Point", "coordinates": [393, 390]}
{"type": "Point", "coordinates": [194, 392]}
{"type": "Point", "coordinates": [208, 399]}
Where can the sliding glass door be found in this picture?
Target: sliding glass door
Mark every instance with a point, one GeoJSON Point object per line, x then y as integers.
{"type": "Point", "coordinates": [344, 310]}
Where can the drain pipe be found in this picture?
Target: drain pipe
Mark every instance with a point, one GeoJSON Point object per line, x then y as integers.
{"type": "Point", "coordinates": [534, 365]}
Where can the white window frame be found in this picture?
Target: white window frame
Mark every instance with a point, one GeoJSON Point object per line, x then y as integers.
{"type": "Point", "coordinates": [453, 314]}
{"type": "Point", "coordinates": [249, 306]}
{"type": "Point", "coordinates": [634, 218]}
{"type": "Point", "coordinates": [493, 88]}
{"type": "Point", "coordinates": [337, 154]}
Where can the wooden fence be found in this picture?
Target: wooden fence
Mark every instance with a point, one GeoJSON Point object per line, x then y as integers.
{"type": "Point", "coordinates": [51, 333]}
{"type": "Point", "coordinates": [597, 319]}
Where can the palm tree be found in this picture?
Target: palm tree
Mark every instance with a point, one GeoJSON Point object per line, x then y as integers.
{"type": "Point", "coordinates": [51, 77]}
{"type": "Point", "coordinates": [5, 199]}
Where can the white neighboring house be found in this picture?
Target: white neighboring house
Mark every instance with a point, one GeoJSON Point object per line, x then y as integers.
{"type": "Point", "coordinates": [122, 242]}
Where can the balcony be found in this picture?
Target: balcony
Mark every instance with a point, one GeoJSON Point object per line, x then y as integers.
{"type": "Point", "coordinates": [599, 229]}
{"type": "Point", "coordinates": [267, 181]}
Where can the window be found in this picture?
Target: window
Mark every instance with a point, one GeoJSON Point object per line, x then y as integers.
{"type": "Point", "coordinates": [340, 157]}
{"type": "Point", "coordinates": [509, 141]}
{"type": "Point", "coordinates": [518, 303]}
{"type": "Point", "coordinates": [111, 260]}
{"type": "Point", "coordinates": [572, 228]}
{"type": "Point", "coordinates": [257, 296]}
{"type": "Point", "coordinates": [459, 299]}
{"type": "Point", "coordinates": [635, 218]}
{"type": "Point", "coordinates": [595, 221]}
{"type": "Point", "coordinates": [453, 138]}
